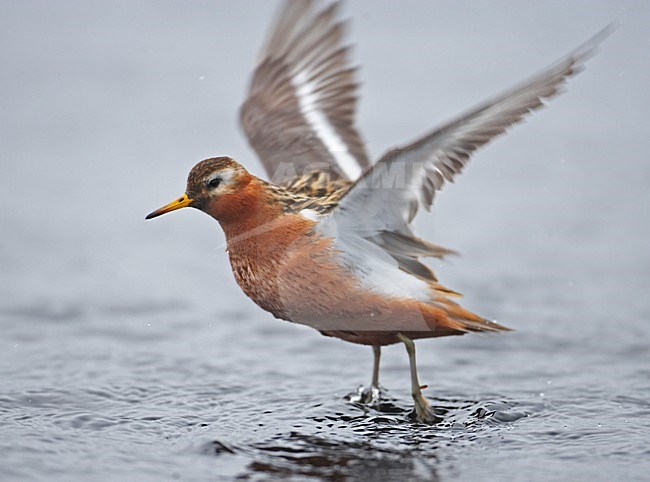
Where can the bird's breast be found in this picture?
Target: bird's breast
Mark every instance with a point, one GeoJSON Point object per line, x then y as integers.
{"type": "Point", "coordinates": [267, 258]}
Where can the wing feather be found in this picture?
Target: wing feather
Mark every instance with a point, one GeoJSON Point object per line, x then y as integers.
{"type": "Point", "coordinates": [388, 195]}
{"type": "Point", "coordinates": [380, 206]}
{"type": "Point", "coordinates": [300, 111]}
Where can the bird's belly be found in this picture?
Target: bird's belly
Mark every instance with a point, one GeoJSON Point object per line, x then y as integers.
{"type": "Point", "coordinates": [320, 293]}
{"type": "Point", "coordinates": [305, 282]}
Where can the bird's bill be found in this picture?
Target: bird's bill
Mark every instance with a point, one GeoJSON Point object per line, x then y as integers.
{"type": "Point", "coordinates": [181, 202]}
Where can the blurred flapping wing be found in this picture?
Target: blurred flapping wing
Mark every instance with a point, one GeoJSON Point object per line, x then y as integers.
{"type": "Point", "coordinates": [300, 109]}
{"type": "Point", "coordinates": [387, 196]}
{"type": "Point", "coordinates": [380, 206]}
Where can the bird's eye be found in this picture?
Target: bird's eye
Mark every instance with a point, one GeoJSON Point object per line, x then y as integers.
{"type": "Point", "coordinates": [212, 183]}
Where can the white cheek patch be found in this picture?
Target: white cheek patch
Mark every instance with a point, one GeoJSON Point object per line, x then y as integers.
{"type": "Point", "coordinates": [226, 177]}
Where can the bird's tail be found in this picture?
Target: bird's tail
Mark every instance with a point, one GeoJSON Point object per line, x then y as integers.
{"type": "Point", "coordinates": [446, 317]}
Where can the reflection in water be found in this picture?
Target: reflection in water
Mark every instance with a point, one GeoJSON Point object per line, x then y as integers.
{"type": "Point", "coordinates": [318, 457]}
{"type": "Point", "coordinates": [379, 441]}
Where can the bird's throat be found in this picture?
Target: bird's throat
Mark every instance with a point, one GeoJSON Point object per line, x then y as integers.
{"type": "Point", "coordinates": [246, 213]}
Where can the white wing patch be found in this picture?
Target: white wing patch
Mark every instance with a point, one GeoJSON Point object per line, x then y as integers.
{"type": "Point", "coordinates": [317, 120]}
{"type": "Point", "coordinates": [375, 269]}
{"type": "Point", "coordinates": [310, 214]}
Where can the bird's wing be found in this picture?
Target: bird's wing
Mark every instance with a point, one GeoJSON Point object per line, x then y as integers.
{"type": "Point", "coordinates": [300, 109]}
{"type": "Point", "coordinates": [380, 206]}
{"type": "Point", "coordinates": [388, 195]}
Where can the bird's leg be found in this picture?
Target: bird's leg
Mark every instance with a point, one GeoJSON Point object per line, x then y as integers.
{"type": "Point", "coordinates": [376, 350]}
{"type": "Point", "coordinates": [371, 394]}
{"type": "Point", "coordinates": [422, 409]}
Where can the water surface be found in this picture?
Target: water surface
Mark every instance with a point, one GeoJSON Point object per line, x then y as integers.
{"type": "Point", "coordinates": [127, 350]}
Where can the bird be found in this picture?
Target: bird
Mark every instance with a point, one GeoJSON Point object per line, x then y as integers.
{"type": "Point", "coordinates": [328, 240]}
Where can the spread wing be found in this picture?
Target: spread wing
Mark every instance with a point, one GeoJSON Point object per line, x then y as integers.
{"type": "Point", "coordinates": [380, 206]}
{"type": "Point", "coordinates": [300, 109]}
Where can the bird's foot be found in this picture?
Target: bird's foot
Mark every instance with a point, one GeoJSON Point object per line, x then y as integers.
{"type": "Point", "coordinates": [423, 412]}
{"type": "Point", "coordinates": [370, 395]}
{"type": "Point", "coordinates": [366, 396]}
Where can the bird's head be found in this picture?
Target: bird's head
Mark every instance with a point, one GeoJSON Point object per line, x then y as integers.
{"type": "Point", "coordinates": [216, 186]}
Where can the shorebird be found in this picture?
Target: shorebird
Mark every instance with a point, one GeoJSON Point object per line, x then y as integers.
{"type": "Point", "coordinates": [329, 242]}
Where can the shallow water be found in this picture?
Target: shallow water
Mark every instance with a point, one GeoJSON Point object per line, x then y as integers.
{"type": "Point", "coordinates": [128, 352]}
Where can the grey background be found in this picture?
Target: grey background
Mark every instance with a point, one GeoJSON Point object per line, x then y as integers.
{"type": "Point", "coordinates": [104, 108]}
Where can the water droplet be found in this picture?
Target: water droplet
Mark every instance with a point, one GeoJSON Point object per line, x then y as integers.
{"type": "Point", "coordinates": [201, 77]}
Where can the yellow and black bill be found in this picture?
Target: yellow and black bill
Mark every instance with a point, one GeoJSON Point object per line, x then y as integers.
{"type": "Point", "coordinates": [182, 202]}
